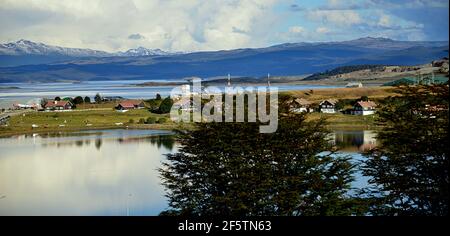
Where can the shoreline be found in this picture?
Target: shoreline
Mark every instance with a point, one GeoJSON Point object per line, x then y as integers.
{"type": "Point", "coordinates": [107, 118]}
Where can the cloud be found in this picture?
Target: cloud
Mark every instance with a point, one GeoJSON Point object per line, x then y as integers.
{"type": "Point", "coordinates": [136, 36]}
{"type": "Point", "coordinates": [337, 17]}
{"type": "Point", "coordinates": [193, 25]}
{"type": "Point", "coordinates": [296, 29]}
{"type": "Point", "coordinates": [187, 25]}
{"type": "Point", "coordinates": [322, 30]}
{"type": "Point", "coordinates": [296, 7]}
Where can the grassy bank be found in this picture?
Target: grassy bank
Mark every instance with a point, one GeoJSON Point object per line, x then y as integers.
{"type": "Point", "coordinates": [318, 95]}
{"type": "Point", "coordinates": [81, 120]}
{"type": "Point", "coordinates": [104, 117]}
{"type": "Point", "coordinates": [340, 121]}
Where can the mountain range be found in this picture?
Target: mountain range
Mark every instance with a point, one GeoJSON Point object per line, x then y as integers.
{"type": "Point", "coordinates": [26, 61]}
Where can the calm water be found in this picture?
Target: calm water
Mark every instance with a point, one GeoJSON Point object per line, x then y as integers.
{"type": "Point", "coordinates": [28, 92]}
{"type": "Point", "coordinates": [107, 172]}
{"type": "Point", "coordinates": [87, 173]}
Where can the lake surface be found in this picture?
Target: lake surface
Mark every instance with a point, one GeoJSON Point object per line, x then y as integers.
{"type": "Point", "coordinates": [104, 172]}
{"type": "Point", "coordinates": [30, 92]}
{"type": "Point", "coordinates": [85, 173]}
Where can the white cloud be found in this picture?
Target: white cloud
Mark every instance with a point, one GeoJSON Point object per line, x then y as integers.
{"type": "Point", "coordinates": [186, 25]}
{"type": "Point", "coordinates": [337, 17]}
{"type": "Point", "coordinates": [322, 30]}
{"type": "Point", "coordinates": [384, 21]}
{"type": "Point", "coordinates": [296, 29]}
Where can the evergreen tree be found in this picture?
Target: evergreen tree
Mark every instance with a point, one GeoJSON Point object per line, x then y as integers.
{"type": "Point", "coordinates": [230, 169]}
{"type": "Point", "coordinates": [97, 98]}
{"type": "Point", "coordinates": [409, 168]}
{"type": "Point", "coordinates": [78, 100]}
{"type": "Point", "coordinates": [87, 99]}
{"type": "Point", "coordinates": [165, 105]}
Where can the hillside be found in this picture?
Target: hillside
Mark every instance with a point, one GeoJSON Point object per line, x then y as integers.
{"type": "Point", "coordinates": [280, 60]}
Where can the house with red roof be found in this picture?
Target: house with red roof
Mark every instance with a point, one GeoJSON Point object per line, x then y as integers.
{"type": "Point", "coordinates": [130, 105]}
{"type": "Point", "coordinates": [53, 105]}
{"type": "Point", "coordinates": [364, 108]}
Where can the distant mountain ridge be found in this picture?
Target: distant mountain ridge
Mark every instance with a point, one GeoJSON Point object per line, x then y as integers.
{"type": "Point", "coordinates": [26, 47]}
{"type": "Point", "coordinates": [279, 60]}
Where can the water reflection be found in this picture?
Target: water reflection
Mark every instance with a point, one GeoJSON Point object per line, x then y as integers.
{"type": "Point", "coordinates": [92, 173]}
{"type": "Point", "coordinates": [354, 141]}
{"type": "Point", "coordinates": [101, 172]}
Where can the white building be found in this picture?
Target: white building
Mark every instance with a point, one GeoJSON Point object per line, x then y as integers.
{"type": "Point", "coordinates": [328, 106]}
{"type": "Point", "coordinates": [363, 108]}
{"type": "Point", "coordinates": [354, 85]}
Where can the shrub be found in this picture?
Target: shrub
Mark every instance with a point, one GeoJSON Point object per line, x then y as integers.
{"type": "Point", "coordinates": [151, 120]}
{"type": "Point", "coordinates": [162, 120]}
{"type": "Point", "coordinates": [142, 121]}
{"type": "Point", "coordinates": [131, 121]}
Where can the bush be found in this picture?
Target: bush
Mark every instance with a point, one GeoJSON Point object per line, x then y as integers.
{"type": "Point", "coordinates": [131, 121]}
{"type": "Point", "coordinates": [78, 100]}
{"type": "Point", "coordinates": [142, 121]}
{"type": "Point", "coordinates": [162, 120]}
{"type": "Point", "coordinates": [151, 120]}
{"type": "Point", "coordinates": [166, 105]}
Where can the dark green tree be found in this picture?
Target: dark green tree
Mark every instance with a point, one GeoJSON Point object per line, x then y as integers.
{"type": "Point", "coordinates": [57, 99]}
{"type": "Point", "coordinates": [230, 169]}
{"type": "Point", "coordinates": [98, 98]}
{"type": "Point", "coordinates": [364, 98]}
{"type": "Point", "coordinates": [165, 105]}
{"type": "Point", "coordinates": [409, 169]}
{"type": "Point", "coordinates": [158, 96]}
{"type": "Point", "coordinates": [87, 99]}
{"type": "Point", "coordinates": [78, 100]}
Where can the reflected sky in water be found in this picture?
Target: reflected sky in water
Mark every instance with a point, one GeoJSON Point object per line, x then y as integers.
{"type": "Point", "coordinates": [88, 173]}
{"type": "Point", "coordinates": [102, 172]}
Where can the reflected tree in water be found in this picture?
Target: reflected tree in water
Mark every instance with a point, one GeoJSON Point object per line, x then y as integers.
{"type": "Point", "coordinates": [98, 143]}
{"type": "Point", "coordinates": [409, 168]}
{"type": "Point", "coordinates": [230, 169]}
{"type": "Point", "coordinates": [167, 141]}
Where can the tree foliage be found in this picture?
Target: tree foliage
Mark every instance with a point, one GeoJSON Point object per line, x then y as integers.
{"type": "Point", "coordinates": [78, 100]}
{"type": "Point", "coordinates": [98, 98]}
{"type": "Point", "coordinates": [409, 168]}
{"type": "Point", "coordinates": [230, 169]}
{"type": "Point", "coordinates": [165, 105]}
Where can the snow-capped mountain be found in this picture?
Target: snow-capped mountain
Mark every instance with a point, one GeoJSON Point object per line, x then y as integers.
{"type": "Point", "coordinates": [141, 51]}
{"type": "Point", "coordinates": [25, 47]}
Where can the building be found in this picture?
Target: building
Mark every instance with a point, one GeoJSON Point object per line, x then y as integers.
{"type": "Point", "coordinates": [19, 106]}
{"type": "Point", "coordinates": [112, 98]}
{"type": "Point", "coordinates": [363, 108]}
{"type": "Point", "coordinates": [354, 85]}
{"type": "Point", "coordinates": [300, 105]}
{"type": "Point", "coordinates": [328, 106]}
{"type": "Point", "coordinates": [53, 105]}
{"type": "Point", "coordinates": [130, 105]}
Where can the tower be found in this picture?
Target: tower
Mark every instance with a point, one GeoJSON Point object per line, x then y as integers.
{"type": "Point", "coordinates": [268, 79]}
{"type": "Point", "coordinates": [229, 80]}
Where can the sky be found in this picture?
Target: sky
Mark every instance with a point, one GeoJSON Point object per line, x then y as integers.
{"type": "Point", "coordinates": [199, 25]}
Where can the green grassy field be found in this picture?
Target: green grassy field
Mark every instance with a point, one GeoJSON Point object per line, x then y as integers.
{"type": "Point", "coordinates": [103, 116]}
{"type": "Point", "coordinates": [340, 121]}
{"type": "Point", "coordinates": [81, 119]}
